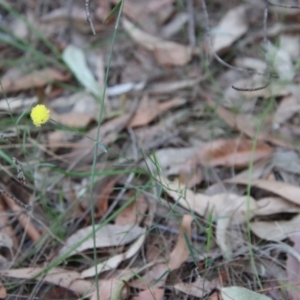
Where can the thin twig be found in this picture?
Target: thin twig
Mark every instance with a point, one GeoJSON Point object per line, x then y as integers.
{"type": "Point", "coordinates": [282, 5]}
{"type": "Point", "coordinates": [251, 89]}
{"type": "Point", "coordinates": [191, 23]}
{"type": "Point", "coordinates": [88, 16]}
{"type": "Point", "coordinates": [221, 61]}
{"type": "Point", "coordinates": [17, 201]}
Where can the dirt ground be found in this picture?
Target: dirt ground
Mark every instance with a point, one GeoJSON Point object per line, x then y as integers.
{"type": "Point", "coordinates": [149, 149]}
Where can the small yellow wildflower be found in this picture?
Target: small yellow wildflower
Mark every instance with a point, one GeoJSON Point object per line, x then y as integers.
{"type": "Point", "coordinates": [40, 114]}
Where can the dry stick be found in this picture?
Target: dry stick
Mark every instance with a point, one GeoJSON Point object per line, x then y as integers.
{"type": "Point", "coordinates": [220, 60]}
{"type": "Point", "coordinates": [191, 23]}
{"type": "Point", "coordinates": [88, 15]}
{"type": "Point", "coordinates": [17, 201]}
{"type": "Point", "coordinates": [23, 219]}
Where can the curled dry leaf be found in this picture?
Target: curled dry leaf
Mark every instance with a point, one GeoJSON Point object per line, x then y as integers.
{"type": "Point", "coordinates": [275, 205]}
{"type": "Point", "coordinates": [232, 26]}
{"type": "Point", "coordinates": [35, 79]}
{"type": "Point", "coordinates": [282, 189]}
{"type": "Point", "coordinates": [68, 279]}
{"type": "Point", "coordinates": [276, 231]}
{"type": "Point", "coordinates": [166, 52]}
{"type": "Point", "coordinates": [107, 236]}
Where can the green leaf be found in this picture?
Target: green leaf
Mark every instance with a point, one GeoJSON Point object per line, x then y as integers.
{"type": "Point", "coordinates": [114, 10]}
{"type": "Point", "coordinates": [75, 60]}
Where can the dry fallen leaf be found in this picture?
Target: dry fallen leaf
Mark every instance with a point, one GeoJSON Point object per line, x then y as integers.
{"type": "Point", "coordinates": [173, 86]}
{"type": "Point", "coordinates": [63, 15]}
{"type": "Point", "coordinates": [275, 205]}
{"type": "Point", "coordinates": [166, 52]}
{"type": "Point", "coordinates": [282, 189]}
{"type": "Point", "coordinates": [222, 237]}
{"type": "Point", "coordinates": [108, 289]}
{"type": "Point", "coordinates": [134, 213]}
{"type": "Point", "coordinates": [107, 236]}
{"type": "Point", "coordinates": [102, 191]}
{"type": "Point", "coordinates": [288, 107]}
{"type": "Point", "coordinates": [35, 79]}
{"type": "Point", "coordinates": [153, 293]}
{"type": "Point", "coordinates": [72, 119]}
{"type": "Point", "coordinates": [293, 268]}
{"type": "Point", "coordinates": [282, 62]}
{"type": "Point", "coordinates": [108, 134]}
{"type": "Point", "coordinates": [236, 152]}
{"type": "Point", "coordinates": [276, 231]}
{"type": "Point", "coordinates": [170, 160]}
{"type": "Point", "coordinates": [16, 104]}
{"type": "Point", "coordinates": [287, 161]}
{"type": "Point", "coordinates": [248, 124]}
{"type": "Point", "coordinates": [68, 279]}
{"type": "Point", "coordinates": [3, 293]}
{"type": "Point", "coordinates": [289, 43]}
{"type": "Point", "coordinates": [232, 26]}
{"type": "Point", "coordinates": [220, 205]}
{"type": "Point", "coordinates": [116, 288]}
{"type": "Point", "coordinates": [178, 255]}
{"type": "Point", "coordinates": [148, 14]}
{"type": "Point", "coordinates": [23, 219]}
{"type": "Point", "coordinates": [114, 261]}
{"type": "Point", "coordinates": [198, 288]}
{"type": "Point", "coordinates": [148, 110]}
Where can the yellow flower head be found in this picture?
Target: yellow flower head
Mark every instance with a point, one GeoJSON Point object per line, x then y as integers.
{"type": "Point", "coordinates": [40, 114]}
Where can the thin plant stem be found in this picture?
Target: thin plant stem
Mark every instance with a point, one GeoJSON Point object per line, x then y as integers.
{"type": "Point", "coordinates": [96, 148]}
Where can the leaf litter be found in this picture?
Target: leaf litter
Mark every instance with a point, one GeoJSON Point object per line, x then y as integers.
{"type": "Point", "coordinates": [190, 173]}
